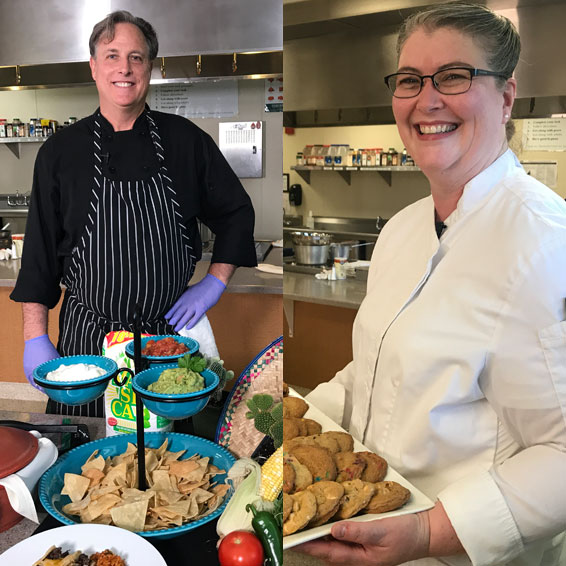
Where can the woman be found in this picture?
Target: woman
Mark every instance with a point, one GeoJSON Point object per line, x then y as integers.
{"type": "Point", "coordinates": [459, 370]}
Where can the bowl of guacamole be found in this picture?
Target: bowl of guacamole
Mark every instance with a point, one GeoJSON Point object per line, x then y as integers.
{"type": "Point", "coordinates": [173, 392]}
{"type": "Point", "coordinates": [177, 380]}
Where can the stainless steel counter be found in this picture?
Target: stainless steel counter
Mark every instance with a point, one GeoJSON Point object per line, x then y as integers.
{"type": "Point", "coordinates": [347, 293]}
{"type": "Point", "coordinates": [245, 279]}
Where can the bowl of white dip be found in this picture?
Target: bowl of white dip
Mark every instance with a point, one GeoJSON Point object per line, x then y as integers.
{"type": "Point", "coordinates": [74, 380]}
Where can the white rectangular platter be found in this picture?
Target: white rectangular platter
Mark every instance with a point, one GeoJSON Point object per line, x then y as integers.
{"type": "Point", "coordinates": [418, 501]}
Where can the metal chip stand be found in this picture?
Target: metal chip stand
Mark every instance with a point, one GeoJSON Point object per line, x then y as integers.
{"type": "Point", "coordinates": [139, 365]}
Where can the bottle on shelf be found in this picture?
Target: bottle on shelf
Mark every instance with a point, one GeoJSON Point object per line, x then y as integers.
{"type": "Point", "coordinates": [310, 220]}
{"type": "Point", "coordinates": [307, 154]}
{"type": "Point", "coordinates": [300, 157]}
{"type": "Point", "coordinates": [342, 153]}
{"type": "Point", "coordinates": [404, 156]}
{"type": "Point", "coordinates": [327, 154]}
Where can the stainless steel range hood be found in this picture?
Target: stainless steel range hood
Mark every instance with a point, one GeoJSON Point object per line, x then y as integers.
{"type": "Point", "coordinates": [337, 53]}
{"type": "Point", "coordinates": [48, 45]}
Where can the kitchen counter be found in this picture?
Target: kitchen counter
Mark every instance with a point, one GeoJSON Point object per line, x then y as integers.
{"type": "Point", "coordinates": [347, 293]}
{"type": "Point", "coordinates": [245, 279]}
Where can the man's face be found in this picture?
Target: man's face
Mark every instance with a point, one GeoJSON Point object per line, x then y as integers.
{"type": "Point", "coordinates": [121, 69]}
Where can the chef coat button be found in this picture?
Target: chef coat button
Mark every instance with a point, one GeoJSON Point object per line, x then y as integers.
{"type": "Point", "coordinates": [145, 167]}
{"type": "Point", "coordinates": [109, 138]}
{"type": "Point", "coordinates": [142, 133]}
{"type": "Point", "coordinates": [112, 169]}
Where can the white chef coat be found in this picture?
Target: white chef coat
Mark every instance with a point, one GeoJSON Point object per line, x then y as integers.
{"type": "Point", "coordinates": [459, 370]}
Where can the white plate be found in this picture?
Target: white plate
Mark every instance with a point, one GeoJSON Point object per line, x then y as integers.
{"type": "Point", "coordinates": [418, 501]}
{"type": "Point", "coordinates": [135, 550]}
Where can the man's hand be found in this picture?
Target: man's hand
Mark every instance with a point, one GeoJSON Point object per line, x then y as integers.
{"type": "Point", "coordinates": [384, 542]}
{"type": "Point", "coordinates": [36, 351]}
{"type": "Point", "coordinates": [194, 302]}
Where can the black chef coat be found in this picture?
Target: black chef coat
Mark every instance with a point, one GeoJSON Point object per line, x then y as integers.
{"type": "Point", "coordinates": [206, 187]}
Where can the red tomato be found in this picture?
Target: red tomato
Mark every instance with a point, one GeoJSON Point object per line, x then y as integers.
{"type": "Point", "coordinates": [240, 548]}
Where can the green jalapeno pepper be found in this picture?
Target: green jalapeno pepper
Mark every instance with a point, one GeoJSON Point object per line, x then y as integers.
{"type": "Point", "coordinates": [269, 533]}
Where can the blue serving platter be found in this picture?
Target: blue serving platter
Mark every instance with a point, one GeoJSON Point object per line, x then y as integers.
{"type": "Point", "coordinates": [52, 481]}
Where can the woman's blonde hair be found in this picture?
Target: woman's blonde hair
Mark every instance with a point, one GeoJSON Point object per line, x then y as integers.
{"type": "Point", "coordinates": [496, 34]}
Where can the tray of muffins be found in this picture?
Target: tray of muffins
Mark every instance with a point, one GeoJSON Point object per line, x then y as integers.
{"type": "Point", "coordinates": [329, 476]}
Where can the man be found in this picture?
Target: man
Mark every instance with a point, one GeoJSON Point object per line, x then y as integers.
{"type": "Point", "coordinates": [114, 210]}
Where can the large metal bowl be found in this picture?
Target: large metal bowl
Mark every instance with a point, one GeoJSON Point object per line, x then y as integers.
{"type": "Point", "coordinates": [311, 238]}
{"type": "Point", "coordinates": [311, 255]}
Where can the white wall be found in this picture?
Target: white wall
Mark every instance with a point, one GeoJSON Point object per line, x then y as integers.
{"type": "Point", "coordinates": [369, 195]}
{"type": "Point", "coordinates": [60, 104]}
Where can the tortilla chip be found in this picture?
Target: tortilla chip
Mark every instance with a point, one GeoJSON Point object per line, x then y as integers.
{"type": "Point", "coordinates": [130, 516]}
{"type": "Point", "coordinates": [183, 468]}
{"type": "Point", "coordinates": [99, 506]}
{"type": "Point", "coordinates": [75, 486]}
{"type": "Point", "coordinates": [97, 463]}
{"type": "Point", "coordinates": [94, 474]}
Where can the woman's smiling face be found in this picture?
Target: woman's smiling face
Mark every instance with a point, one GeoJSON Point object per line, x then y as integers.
{"type": "Point", "coordinates": [458, 135]}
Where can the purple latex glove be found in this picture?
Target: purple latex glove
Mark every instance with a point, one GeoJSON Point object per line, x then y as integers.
{"type": "Point", "coordinates": [36, 351]}
{"type": "Point", "coordinates": [194, 302]}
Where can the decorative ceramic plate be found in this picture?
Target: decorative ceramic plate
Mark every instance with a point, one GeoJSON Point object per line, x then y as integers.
{"type": "Point", "coordinates": [263, 375]}
{"type": "Point", "coordinates": [89, 539]}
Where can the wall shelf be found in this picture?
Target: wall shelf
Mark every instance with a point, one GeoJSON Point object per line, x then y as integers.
{"type": "Point", "coordinates": [13, 144]}
{"type": "Point", "coordinates": [345, 171]}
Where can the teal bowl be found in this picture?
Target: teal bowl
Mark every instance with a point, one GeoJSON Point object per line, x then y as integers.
{"type": "Point", "coordinates": [190, 343]}
{"type": "Point", "coordinates": [76, 392]}
{"type": "Point", "coordinates": [52, 481]}
{"type": "Point", "coordinates": [173, 406]}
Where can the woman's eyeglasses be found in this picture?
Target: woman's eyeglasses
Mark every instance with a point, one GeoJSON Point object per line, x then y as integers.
{"type": "Point", "coordinates": [455, 80]}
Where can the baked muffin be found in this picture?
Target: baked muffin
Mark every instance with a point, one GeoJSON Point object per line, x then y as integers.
{"type": "Point", "coordinates": [312, 427]}
{"type": "Point", "coordinates": [388, 496]}
{"type": "Point", "coordinates": [328, 497]}
{"type": "Point", "coordinates": [287, 506]}
{"type": "Point", "coordinates": [294, 407]}
{"type": "Point", "coordinates": [292, 428]}
{"type": "Point", "coordinates": [376, 467]}
{"type": "Point", "coordinates": [349, 465]}
{"type": "Point", "coordinates": [302, 511]}
{"type": "Point", "coordinates": [288, 478]}
{"type": "Point", "coordinates": [303, 476]}
{"type": "Point", "coordinates": [357, 494]}
{"type": "Point", "coordinates": [344, 440]}
{"type": "Point", "coordinates": [318, 460]}
{"type": "Point", "coordinates": [327, 441]}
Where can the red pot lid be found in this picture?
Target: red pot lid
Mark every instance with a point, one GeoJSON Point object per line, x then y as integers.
{"type": "Point", "coordinates": [18, 449]}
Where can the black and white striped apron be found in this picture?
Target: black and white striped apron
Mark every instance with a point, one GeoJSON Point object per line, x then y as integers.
{"type": "Point", "coordinates": [134, 249]}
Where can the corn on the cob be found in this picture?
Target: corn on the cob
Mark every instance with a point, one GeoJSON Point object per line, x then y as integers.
{"type": "Point", "coordinates": [272, 476]}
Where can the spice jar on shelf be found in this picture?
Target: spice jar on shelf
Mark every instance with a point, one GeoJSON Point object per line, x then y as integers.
{"type": "Point", "coordinates": [307, 154]}
{"type": "Point", "coordinates": [340, 157]}
{"type": "Point", "coordinates": [327, 154]}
